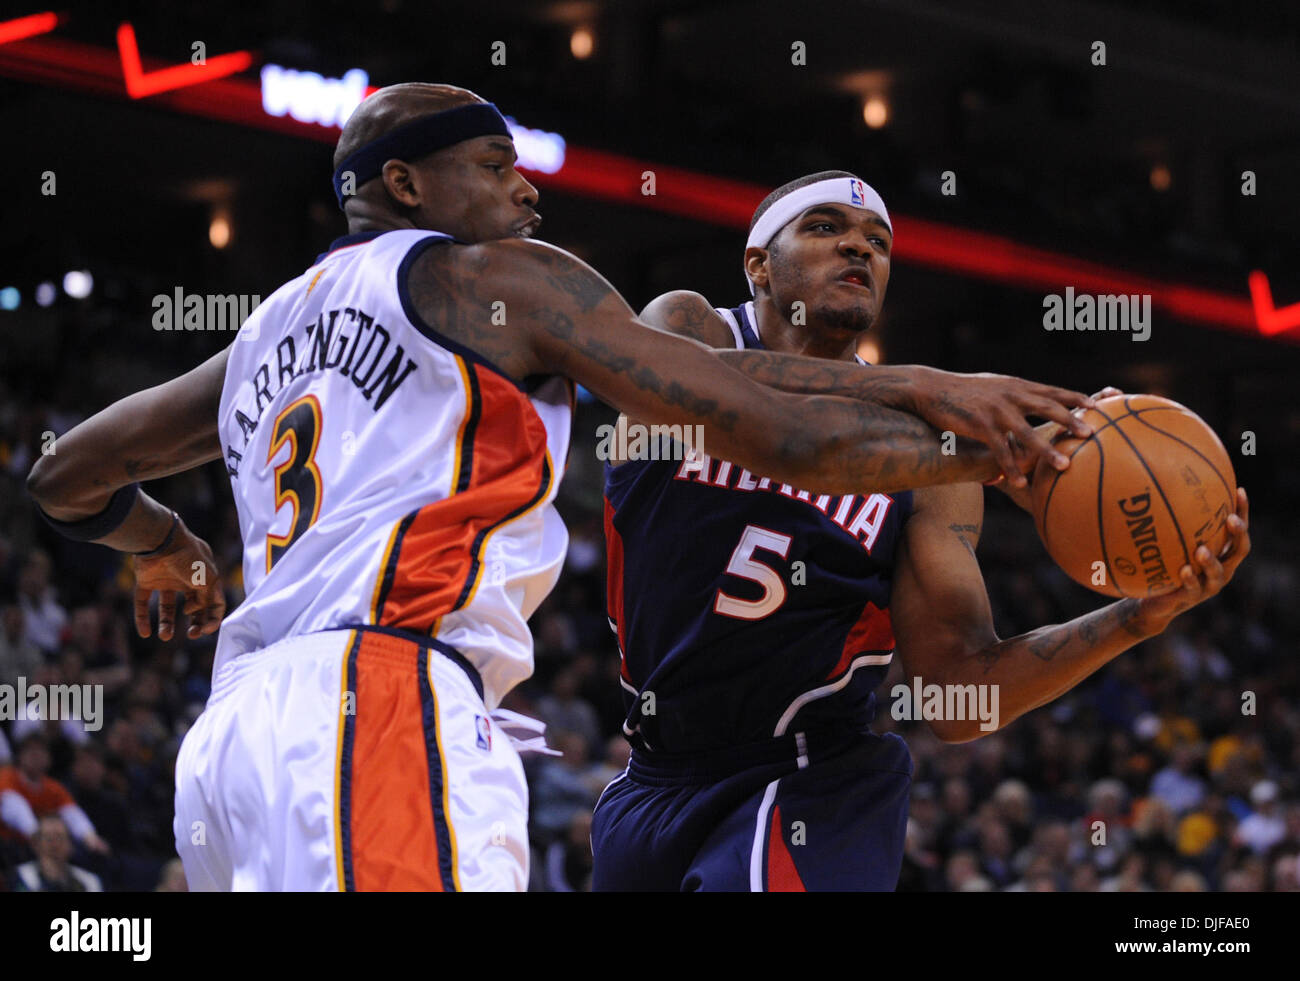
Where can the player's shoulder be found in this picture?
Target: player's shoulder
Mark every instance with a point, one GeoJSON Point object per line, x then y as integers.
{"type": "Point", "coordinates": [506, 266]}
{"type": "Point", "coordinates": [689, 314]}
{"type": "Point", "coordinates": [504, 252]}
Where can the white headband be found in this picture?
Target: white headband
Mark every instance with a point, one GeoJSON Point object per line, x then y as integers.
{"type": "Point", "coordinates": [836, 190]}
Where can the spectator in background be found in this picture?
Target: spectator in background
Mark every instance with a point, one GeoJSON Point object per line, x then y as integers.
{"type": "Point", "coordinates": [1264, 828]}
{"type": "Point", "coordinates": [43, 618]}
{"type": "Point", "coordinates": [28, 793]}
{"type": "Point", "coordinates": [1176, 784]}
{"type": "Point", "coordinates": [1015, 806]}
{"type": "Point", "coordinates": [1106, 826]}
{"type": "Point", "coordinates": [100, 640]}
{"type": "Point", "coordinates": [561, 708]}
{"type": "Point", "coordinates": [1286, 873]}
{"type": "Point", "coordinates": [956, 809]}
{"type": "Point", "coordinates": [963, 873]}
{"type": "Point", "coordinates": [1131, 877]}
{"type": "Point", "coordinates": [563, 786]}
{"type": "Point", "coordinates": [1048, 853]}
{"type": "Point", "coordinates": [19, 657]}
{"type": "Point", "coordinates": [569, 860]}
{"type": "Point", "coordinates": [51, 870]}
{"type": "Point", "coordinates": [1084, 879]}
{"type": "Point", "coordinates": [617, 753]}
{"type": "Point", "coordinates": [105, 807]}
{"type": "Point", "coordinates": [1188, 881]}
{"type": "Point", "coordinates": [71, 729]}
{"type": "Point", "coordinates": [995, 852]}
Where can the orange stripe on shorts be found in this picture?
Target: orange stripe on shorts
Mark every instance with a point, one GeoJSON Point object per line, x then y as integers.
{"type": "Point", "coordinates": [394, 819]}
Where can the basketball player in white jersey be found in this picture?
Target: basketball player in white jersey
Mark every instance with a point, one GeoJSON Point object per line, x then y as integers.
{"type": "Point", "coordinates": [395, 422]}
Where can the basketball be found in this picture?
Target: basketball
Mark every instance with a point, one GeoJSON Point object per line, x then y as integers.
{"type": "Point", "coordinates": [1142, 493]}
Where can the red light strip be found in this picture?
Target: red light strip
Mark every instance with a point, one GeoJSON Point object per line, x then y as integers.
{"type": "Point", "coordinates": [16, 30]}
{"type": "Point", "coordinates": [140, 84]}
{"type": "Point", "coordinates": [702, 197]}
{"type": "Point", "coordinates": [1271, 320]}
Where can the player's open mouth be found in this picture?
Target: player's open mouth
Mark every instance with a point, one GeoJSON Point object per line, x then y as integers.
{"type": "Point", "coordinates": [528, 228]}
{"type": "Point", "coordinates": [856, 277]}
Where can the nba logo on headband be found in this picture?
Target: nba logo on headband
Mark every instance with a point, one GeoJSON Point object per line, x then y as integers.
{"type": "Point", "coordinates": [857, 196]}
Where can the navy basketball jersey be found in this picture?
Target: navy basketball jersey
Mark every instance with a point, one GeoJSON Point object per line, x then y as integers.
{"type": "Point", "coordinates": [744, 606]}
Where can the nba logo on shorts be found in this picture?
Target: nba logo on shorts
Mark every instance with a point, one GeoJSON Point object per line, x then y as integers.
{"type": "Point", "coordinates": [857, 196]}
{"type": "Point", "coordinates": [483, 732]}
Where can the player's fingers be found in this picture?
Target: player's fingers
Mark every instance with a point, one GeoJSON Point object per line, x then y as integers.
{"type": "Point", "coordinates": [218, 603]}
{"type": "Point", "coordinates": [1057, 413]}
{"type": "Point", "coordinates": [142, 625]}
{"type": "Point", "coordinates": [166, 614]}
{"type": "Point", "coordinates": [207, 616]}
{"type": "Point", "coordinates": [996, 441]}
{"type": "Point", "coordinates": [211, 622]}
{"type": "Point", "coordinates": [1107, 392]}
{"type": "Point", "coordinates": [1212, 568]}
{"type": "Point", "coordinates": [1065, 397]}
{"type": "Point", "coordinates": [1036, 444]}
{"type": "Point", "coordinates": [1238, 544]}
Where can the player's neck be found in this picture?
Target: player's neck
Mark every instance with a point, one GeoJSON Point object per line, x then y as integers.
{"type": "Point", "coordinates": [780, 335]}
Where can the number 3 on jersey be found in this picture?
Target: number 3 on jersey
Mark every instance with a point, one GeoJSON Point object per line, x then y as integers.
{"type": "Point", "coordinates": [744, 565]}
{"type": "Point", "coordinates": [297, 480]}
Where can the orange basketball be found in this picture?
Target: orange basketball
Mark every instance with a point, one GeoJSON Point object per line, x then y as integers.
{"type": "Point", "coordinates": [1142, 493]}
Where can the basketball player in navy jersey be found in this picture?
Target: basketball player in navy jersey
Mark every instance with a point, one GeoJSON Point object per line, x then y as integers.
{"type": "Point", "coordinates": [756, 619]}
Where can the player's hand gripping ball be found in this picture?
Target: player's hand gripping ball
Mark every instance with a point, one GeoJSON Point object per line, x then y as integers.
{"type": "Point", "coordinates": [1142, 493]}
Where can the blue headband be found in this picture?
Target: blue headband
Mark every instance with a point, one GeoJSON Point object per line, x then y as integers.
{"type": "Point", "coordinates": [417, 139]}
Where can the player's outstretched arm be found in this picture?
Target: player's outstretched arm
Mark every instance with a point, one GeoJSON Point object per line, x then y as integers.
{"type": "Point", "coordinates": [151, 434]}
{"type": "Point", "coordinates": [568, 320]}
{"type": "Point", "coordinates": [982, 408]}
{"type": "Point", "coordinates": [944, 626]}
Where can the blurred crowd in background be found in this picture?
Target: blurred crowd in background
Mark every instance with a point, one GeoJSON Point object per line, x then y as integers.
{"type": "Point", "coordinates": [1173, 768]}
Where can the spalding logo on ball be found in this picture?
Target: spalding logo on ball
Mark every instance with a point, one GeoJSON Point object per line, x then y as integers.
{"type": "Point", "coordinates": [1151, 485]}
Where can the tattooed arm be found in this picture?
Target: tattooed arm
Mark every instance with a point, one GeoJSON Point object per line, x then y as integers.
{"type": "Point", "coordinates": [153, 433]}
{"type": "Point", "coordinates": [562, 318]}
{"type": "Point", "coordinates": [980, 409]}
{"type": "Point", "coordinates": [944, 626]}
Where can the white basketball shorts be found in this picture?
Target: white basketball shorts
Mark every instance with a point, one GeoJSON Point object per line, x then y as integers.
{"type": "Point", "coordinates": [356, 759]}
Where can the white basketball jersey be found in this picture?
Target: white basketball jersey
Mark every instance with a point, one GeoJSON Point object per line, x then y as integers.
{"type": "Point", "coordinates": [385, 474]}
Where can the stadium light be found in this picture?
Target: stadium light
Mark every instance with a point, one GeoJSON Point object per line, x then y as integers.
{"type": "Point", "coordinates": [875, 111]}
{"type": "Point", "coordinates": [46, 294]}
{"type": "Point", "coordinates": [219, 229]}
{"type": "Point", "coordinates": [78, 283]}
{"type": "Point", "coordinates": [10, 298]}
{"type": "Point", "coordinates": [582, 43]}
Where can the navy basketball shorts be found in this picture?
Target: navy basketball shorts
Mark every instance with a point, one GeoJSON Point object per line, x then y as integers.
{"type": "Point", "coordinates": [808, 812]}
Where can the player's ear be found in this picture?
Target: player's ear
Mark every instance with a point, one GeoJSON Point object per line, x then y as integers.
{"type": "Point", "coordinates": [756, 265]}
{"type": "Point", "coordinates": [400, 184]}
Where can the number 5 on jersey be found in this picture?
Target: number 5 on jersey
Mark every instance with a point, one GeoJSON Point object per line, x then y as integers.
{"type": "Point", "coordinates": [744, 565]}
{"type": "Point", "coordinates": [297, 480]}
